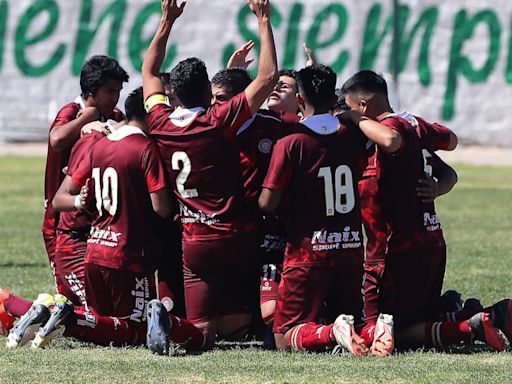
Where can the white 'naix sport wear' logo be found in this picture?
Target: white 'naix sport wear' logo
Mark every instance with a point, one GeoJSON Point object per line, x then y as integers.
{"type": "Point", "coordinates": [325, 241]}
{"type": "Point", "coordinates": [141, 295]}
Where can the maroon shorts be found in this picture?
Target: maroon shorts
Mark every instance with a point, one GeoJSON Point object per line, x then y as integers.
{"type": "Point", "coordinates": [412, 282]}
{"type": "Point", "coordinates": [69, 266]}
{"type": "Point", "coordinates": [221, 277]}
{"type": "Point", "coordinates": [118, 293]}
{"type": "Point", "coordinates": [305, 290]}
{"type": "Point", "coordinates": [269, 282]}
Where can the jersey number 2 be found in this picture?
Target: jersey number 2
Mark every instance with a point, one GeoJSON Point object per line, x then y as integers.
{"type": "Point", "coordinates": [185, 169]}
{"type": "Point", "coordinates": [339, 195]}
{"type": "Point", "coordinates": [105, 189]}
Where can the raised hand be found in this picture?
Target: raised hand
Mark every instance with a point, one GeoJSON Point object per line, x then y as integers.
{"type": "Point", "coordinates": [311, 57]}
{"type": "Point", "coordinates": [239, 58]}
{"type": "Point", "coordinates": [171, 10]}
{"type": "Point", "coordinates": [261, 8]}
{"type": "Point", "coordinates": [94, 126]}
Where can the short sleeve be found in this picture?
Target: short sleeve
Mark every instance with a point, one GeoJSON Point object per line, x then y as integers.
{"type": "Point", "coordinates": [158, 115]}
{"type": "Point", "coordinates": [81, 151]}
{"type": "Point", "coordinates": [66, 114]}
{"type": "Point", "coordinates": [434, 136]}
{"type": "Point", "coordinates": [231, 115]}
{"type": "Point", "coordinates": [82, 172]}
{"type": "Point", "coordinates": [280, 170]}
{"type": "Point", "coordinates": [153, 168]}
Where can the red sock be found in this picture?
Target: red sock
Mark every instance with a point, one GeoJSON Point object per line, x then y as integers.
{"type": "Point", "coordinates": [186, 334]}
{"type": "Point", "coordinates": [461, 315]}
{"type": "Point", "coordinates": [367, 333]}
{"type": "Point", "coordinates": [104, 330]}
{"type": "Point", "coordinates": [17, 306]}
{"type": "Point", "coordinates": [312, 337]}
{"type": "Point", "coordinates": [443, 334]}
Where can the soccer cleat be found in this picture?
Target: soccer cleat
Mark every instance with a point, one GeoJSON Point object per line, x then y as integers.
{"type": "Point", "coordinates": [56, 324]}
{"type": "Point", "coordinates": [473, 304]}
{"type": "Point", "coordinates": [383, 339]}
{"type": "Point", "coordinates": [483, 329]}
{"type": "Point", "coordinates": [29, 323]}
{"type": "Point", "coordinates": [347, 337]}
{"type": "Point", "coordinates": [6, 319]}
{"type": "Point", "coordinates": [502, 317]}
{"type": "Point", "coordinates": [452, 300]}
{"type": "Point", "coordinates": [159, 328]}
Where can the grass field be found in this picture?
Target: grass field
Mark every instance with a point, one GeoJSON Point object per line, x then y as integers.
{"type": "Point", "coordinates": [478, 227]}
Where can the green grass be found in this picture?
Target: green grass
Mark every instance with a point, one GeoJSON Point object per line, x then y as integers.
{"type": "Point", "coordinates": [478, 228]}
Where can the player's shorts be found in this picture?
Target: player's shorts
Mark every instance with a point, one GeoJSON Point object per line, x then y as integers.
{"type": "Point", "coordinates": [221, 277]}
{"type": "Point", "coordinates": [304, 291]}
{"type": "Point", "coordinates": [269, 282]}
{"type": "Point", "coordinates": [412, 283]}
{"type": "Point", "coordinates": [69, 265]}
{"type": "Point", "coordinates": [118, 293]}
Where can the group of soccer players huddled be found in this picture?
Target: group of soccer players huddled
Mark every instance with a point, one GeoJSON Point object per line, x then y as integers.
{"type": "Point", "coordinates": [198, 216]}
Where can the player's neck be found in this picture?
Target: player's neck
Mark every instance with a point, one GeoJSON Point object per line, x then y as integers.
{"type": "Point", "coordinates": [138, 124]}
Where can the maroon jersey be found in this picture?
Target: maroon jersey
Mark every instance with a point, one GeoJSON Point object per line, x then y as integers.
{"type": "Point", "coordinates": [320, 169]}
{"type": "Point", "coordinates": [403, 211]}
{"type": "Point", "coordinates": [203, 161]}
{"type": "Point", "coordinates": [57, 160]}
{"type": "Point", "coordinates": [125, 167]}
{"type": "Point", "coordinates": [256, 139]}
{"type": "Point", "coordinates": [433, 136]}
{"type": "Point", "coordinates": [79, 221]}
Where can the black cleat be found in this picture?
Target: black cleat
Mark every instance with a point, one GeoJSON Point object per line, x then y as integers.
{"type": "Point", "coordinates": [159, 328]}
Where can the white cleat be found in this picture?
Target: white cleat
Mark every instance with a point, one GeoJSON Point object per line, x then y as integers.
{"type": "Point", "coordinates": [347, 337]}
{"type": "Point", "coordinates": [383, 339]}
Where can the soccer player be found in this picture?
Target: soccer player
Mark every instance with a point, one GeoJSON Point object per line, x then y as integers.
{"type": "Point", "coordinates": [415, 251]}
{"type": "Point", "coordinates": [101, 80]}
{"type": "Point", "coordinates": [256, 139]}
{"type": "Point", "coordinates": [318, 165]}
{"type": "Point", "coordinates": [198, 145]}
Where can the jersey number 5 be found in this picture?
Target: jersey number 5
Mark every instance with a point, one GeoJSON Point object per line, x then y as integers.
{"type": "Point", "coordinates": [105, 190]}
{"type": "Point", "coordinates": [185, 169]}
{"type": "Point", "coordinates": [339, 195]}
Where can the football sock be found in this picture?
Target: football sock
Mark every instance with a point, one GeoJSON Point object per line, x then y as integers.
{"type": "Point", "coordinates": [367, 333]}
{"type": "Point", "coordinates": [186, 334]}
{"type": "Point", "coordinates": [462, 315]}
{"type": "Point", "coordinates": [371, 282]}
{"type": "Point", "coordinates": [105, 330]}
{"type": "Point", "coordinates": [443, 334]}
{"type": "Point", "coordinates": [17, 306]}
{"type": "Point", "coordinates": [312, 337]}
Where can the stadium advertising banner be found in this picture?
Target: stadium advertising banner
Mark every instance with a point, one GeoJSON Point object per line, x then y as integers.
{"type": "Point", "coordinates": [453, 60]}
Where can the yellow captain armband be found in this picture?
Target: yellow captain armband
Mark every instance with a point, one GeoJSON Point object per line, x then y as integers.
{"type": "Point", "coordinates": [155, 100]}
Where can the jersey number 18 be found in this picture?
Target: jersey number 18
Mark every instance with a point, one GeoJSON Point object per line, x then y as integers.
{"type": "Point", "coordinates": [339, 193]}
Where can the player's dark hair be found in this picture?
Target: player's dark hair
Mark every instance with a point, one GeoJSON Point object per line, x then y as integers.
{"type": "Point", "coordinates": [340, 104]}
{"type": "Point", "coordinates": [165, 77]}
{"type": "Point", "coordinates": [287, 72]}
{"type": "Point", "coordinates": [366, 81]}
{"type": "Point", "coordinates": [97, 71]}
{"type": "Point", "coordinates": [134, 105]}
{"type": "Point", "coordinates": [189, 79]}
{"type": "Point", "coordinates": [317, 84]}
{"type": "Point", "coordinates": [235, 80]}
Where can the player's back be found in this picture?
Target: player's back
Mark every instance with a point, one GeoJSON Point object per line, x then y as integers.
{"type": "Point", "coordinates": [203, 161]}
{"type": "Point", "coordinates": [324, 211]}
{"type": "Point", "coordinates": [405, 212]}
{"type": "Point", "coordinates": [122, 235]}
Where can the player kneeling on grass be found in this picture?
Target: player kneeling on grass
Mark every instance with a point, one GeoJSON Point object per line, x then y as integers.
{"type": "Point", "coordinates": [129, 186]}
{"type": "Point", "coordinates": [318, 165]}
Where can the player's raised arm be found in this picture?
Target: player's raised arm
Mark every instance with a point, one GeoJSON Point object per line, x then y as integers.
{"type": "Point", "coordinates": [155, 55]}
{"type": "Point", "coordinates": [258, 91]}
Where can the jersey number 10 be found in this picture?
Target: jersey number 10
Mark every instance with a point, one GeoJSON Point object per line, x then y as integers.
{"type": "Point", "coordinates": [339, 193]}
{"type": "Point", "coordinates": [105, 190]}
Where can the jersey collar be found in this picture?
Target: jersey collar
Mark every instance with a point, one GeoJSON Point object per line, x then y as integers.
{"type": "Point", "coordinates": [125, 131]}
{"type": "Point", "coordinates": [182, 117]}
{"type": "Point", "coordinates": [407, 116]}
{"type": "Point", "coordinates": [324, 124]}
